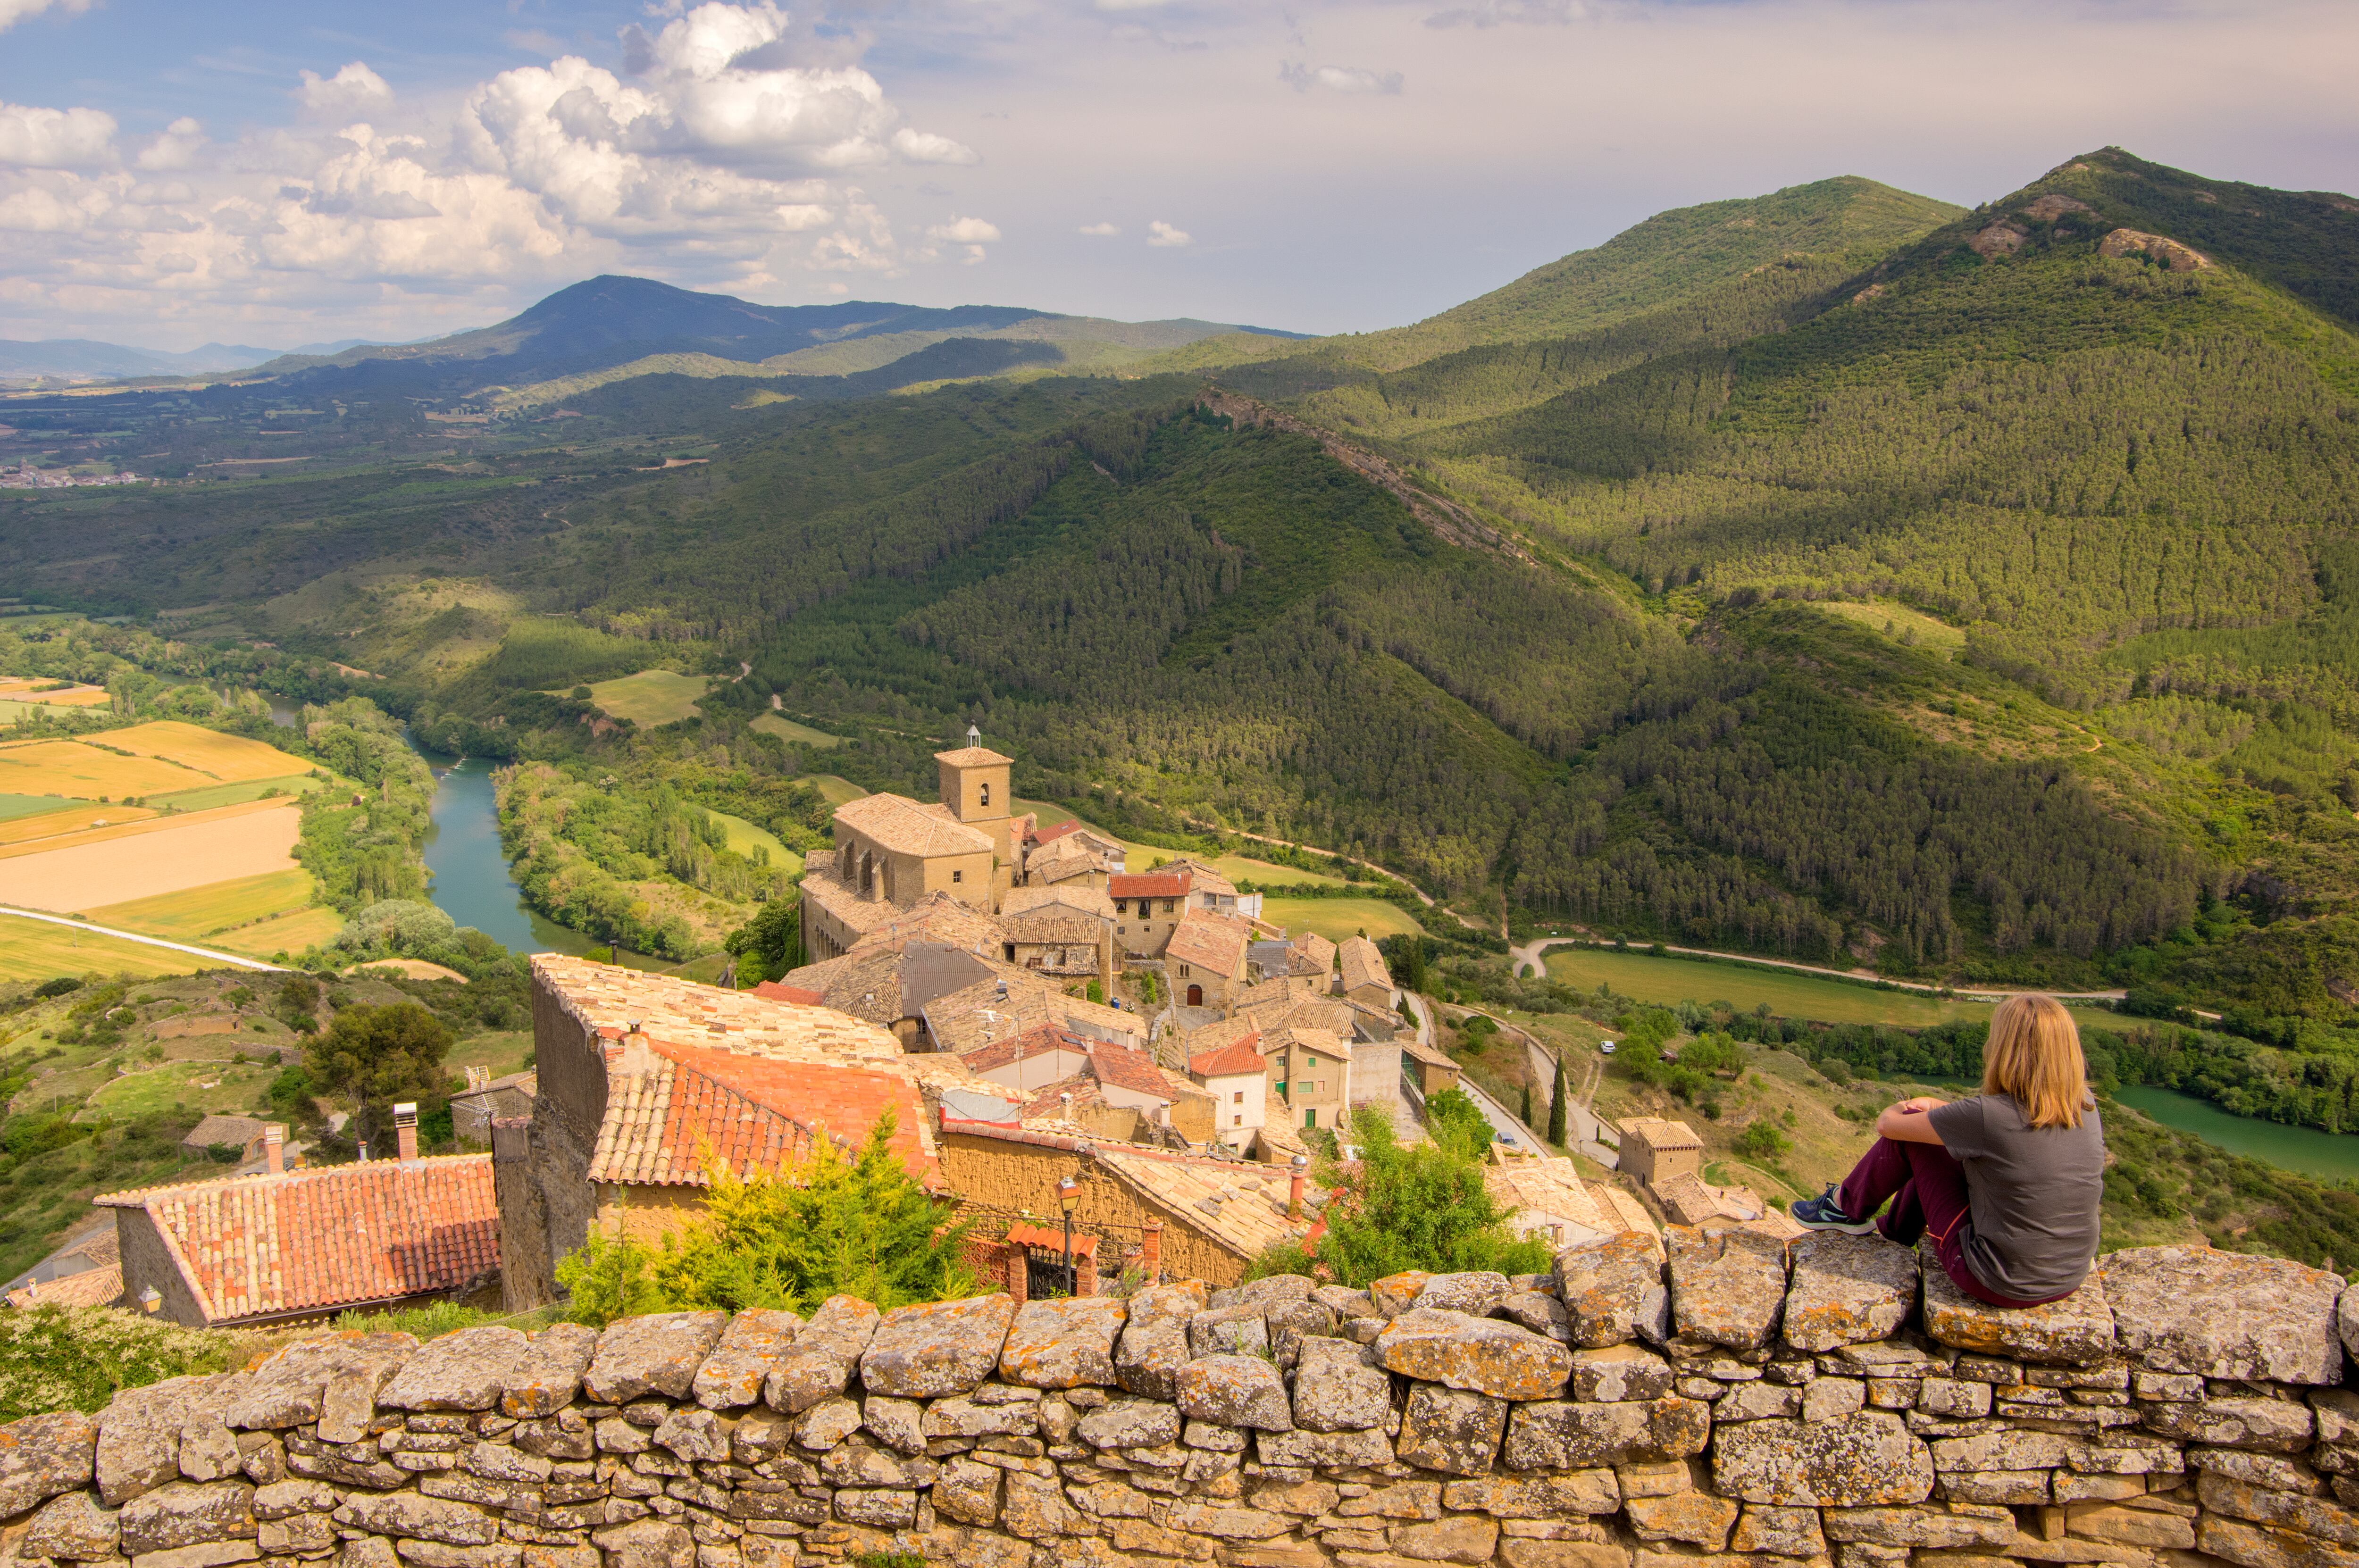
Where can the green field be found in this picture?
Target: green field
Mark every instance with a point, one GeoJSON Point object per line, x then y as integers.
{"type": "Point", "coordinates": [787, 729]}
{"type": "Point", "coordinates": [835, 791]}
{"type": "Point", "coordinates": [38, 950]}
{"type": "Point", "coordinates": [1642, 977]}
{"type": "Point", "coordinates": [196, 912]}
{"type": "Point", "coordinates": [223, 1086]}
{"type": "Point", "coordinates": [650, 698]}
{"type": "Point", "coordinates": [744, 837]}
{"type": "Point", "coordinates": [14, 805]}
{"type": "Point", "coordinates": [239, 794]}
{"type": "Point", "coordinates": [1336, 918]}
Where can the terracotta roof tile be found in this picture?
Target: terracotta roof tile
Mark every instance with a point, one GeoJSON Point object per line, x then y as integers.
{"type": "Point", "coordinates": [1657, 1134]}
{"type": "Point", "coordinates": [973, 757]}
{"type": "Point", "coordinates": [752, 1114]}
{"type": "Point", "coordinates": [1363, 964]}
{"type": "Point", "coordinates": [91, 1287]}
{"type": "Point", "coordinates": [1124, 1069]}
{"type": "Point", "coordinates": [777, 990]}
{"type": "Point", "coordinates": [1148, 884]}
{"type": "Point", "coordinates": [899, 824]}
{"type": "Point", "coordinates": [1211, 942]}
{"type": "Point", "coordinates": [253, 1246]}
{"type": "Point", "coordinates": [1086, 901]}
{"type": "Point", "coordinates": [1235, 1060]}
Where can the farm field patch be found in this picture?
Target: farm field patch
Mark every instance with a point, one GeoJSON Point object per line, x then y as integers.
{"type": "Point", "coordinates": [835, 791]}
{"type": "Point", "coordinates": [1336, 918]}
{"type": "Point", "coordinates": [142, 859]}
{"type": "Point", "coordinates": [38, 950]}
{"type": "Point", "coordinates": [744, 837]}
{"type": "Point", "coordinates": [68, 817]}
{"type": "Point", "coordinates": [650, 698]}
{"type": "Point", "coordinates": [211, 795]}
{"type": "Point", "coordinates": [29, 689]}
{"type": "Point", "coordinates": [286, 933]}
{"type": "Point", "coordinates": [1665, 981]}
{"type": "Point", "coordinates": [85, 772]}
{"type": "Point", "coordinates": [200, 1085]}
{"type": "Point", "coordinates": [231, 758]}
{"type": "Point", "coordinates": [787, 729]}
{"type": "Point", "coordinates": [196, 912]}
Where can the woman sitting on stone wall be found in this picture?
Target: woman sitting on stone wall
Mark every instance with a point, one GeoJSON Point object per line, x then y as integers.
{"type": "Point", "coordinates": [2008, 1182]}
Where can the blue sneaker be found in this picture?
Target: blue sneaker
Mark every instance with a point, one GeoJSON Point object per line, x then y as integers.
{"type": "Point", "coordinates": [1825, 1213]}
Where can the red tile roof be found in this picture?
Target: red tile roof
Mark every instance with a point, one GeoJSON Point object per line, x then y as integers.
{"type": "Point", "coordinates": [1211, 942]}
{"type": "Point", "coordinates": [1045, 835]}
{"type": "Point", "coordinates": [1125, 1069]}
{"type": "Point", "coordinates": [1022, 1235]}
{"type": "Point", "coordinates": [255, 1246]}
{"type": "Point", "coordinates": [1014, 1048]}
{"type": "Point", "coordinates": [1149, 885]}
{"type": "Point", "coordinates": [777, 990]}
{"type": "Point", "coordinates": [754, 1113]}
{"type": "Point", "coordinates": [1237, 1059]}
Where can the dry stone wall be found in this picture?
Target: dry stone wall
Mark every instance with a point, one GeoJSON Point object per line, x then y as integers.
{"type": "Point", "coordinates": [1733, 1401]}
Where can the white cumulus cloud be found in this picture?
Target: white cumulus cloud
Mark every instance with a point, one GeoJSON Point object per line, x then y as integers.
{"type": "Point", "coordinates": [1339, 79]}
{"type": "Point", "coordinates": [55, 138]}
{"type": "Point", "coordinates": [179, 145]}
{"type": "Point", "coordinates": [351, 90]}
{"type": "Point", "coordinates": [1159, 233]}
{"type": "Point", "coordinates": [1103, 231]}
{"type": "Point", "coordinates": [15, 11]}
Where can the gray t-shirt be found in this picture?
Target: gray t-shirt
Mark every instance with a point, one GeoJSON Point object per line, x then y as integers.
{"type": "Point", "coordinates": [2032, 1195]}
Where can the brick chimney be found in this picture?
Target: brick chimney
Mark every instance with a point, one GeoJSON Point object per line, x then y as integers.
{"type": "Point", "coordinates": [274, 1148]}
{"type": "Point", "coordinates": [1150, 1251]}
{"type": "Point", "coordinates": [405, 1129]}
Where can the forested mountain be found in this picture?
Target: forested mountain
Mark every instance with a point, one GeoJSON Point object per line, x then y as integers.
{"type": "Point", "coordinates": [1834, 574]}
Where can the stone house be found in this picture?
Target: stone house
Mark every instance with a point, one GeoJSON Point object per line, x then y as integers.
{"type": "Point", "coordinates": [1429, 1069]}
{"type": "Point", "coordinates": [892, 852]}
{"type": "Point", "coordinates": [1236, 1077]}
{"type": "Point", "coordinates": [1654, 1150]}
{"type": "Point", "coordinates": [1064, 930]}
{"type": "Point", "coordinates": [243, 1133]}
{"type": "Point", "coordinates": [486, 1098]}
{"type": "Point", "coordinates": [1309, 1074]}
{"type": "Point", "coordinates": [1547, 1200]}
{"type": "Point", "coordinates": [644, 1076]}
{"type": "Point", "coordinates": [1362, 975]}
{"type": "Point", "coordinates": [1146, 910]}
{"type": "Point", "coordinates": [1214, 1216]}
{"type": "Point", "coordinates": [1055, 1079]}
{"type": "Point", "coordinates": [1205, 958]}
{"type": "Point", "coordinates": [289, 1247]}
{"type": "Point", "coordinates": [1012, 1002]}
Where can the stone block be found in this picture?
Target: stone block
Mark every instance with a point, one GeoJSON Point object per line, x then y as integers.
{"type": "Point", "coordinates": [1064, 1344]}
{"type": "Point", "coordinates": [659, 1354]}
{"type": "Point", "coordinates": [1562, 1555]}
{"type": "Point", "coordinates": [2265, 1546]}
{"type": "Point", "coordinates": [1958, 1398]}
{"type": "Point", "coordinates": [1462, 1537]}
{"type": "Point", "coordinates": [1780, 1531]}
{"type": "Point", "coordinates": [187, 1513]}
{"type": "Point", "coordinates": [1823, 1399]}
{"type": "Point", "coordinates": [1562, 1434]}
{"type": "Point", "coordinates": [1845, 1289]}
{"type": "Point", "coordinates": [2316, 1517]}
{"type": "Point", "coordinates": [1239, 1328]}
{"type": "Point", "coordinates": [1155, 1339]}
{"type": "Point", "coordinates": [1727, 1289]}
{"type": "Point", "coordinates": [820, 1363]}
{"type": "Point", "coordinates": [1396, 1293]}
{"type": "Point", "coordinates": [898, 1425]}
{"type": "Point", "coordinates": [735, 1373]}
{"type": "Point", "coordinates": [1485, 1356]}
{"type": "Point", "coordinates": [1540, 1311]}
{"type": "Point", "coordinates": [1934, 1526]}
{"type": "Point", "coordinates": [428, 1518]}
{"type": "Point", "coordinates": [2265, 1425]}
{"type": "Point", "coordinates": [1757, 1401]}
{"type": "Point", "coordinates": [936, 1348]}
{"type": "Point", "coordinates": [1612, 1290]}
{"type": "Point", "coordinates": [72, 1525]}
{"type": "Point", "coordinates": [463, 1371]}
{"type": "Point", "coordinates": [2079, 1328]}
{"type": "Point", "coordinates": [138, 1446]}
{"type": "Point", "coordinates": [2124, 1526]}
{"type": "Point", "coordinates": [646, 1544]}
{"type": "Point", "coordinates": [1235, 1390]}
{"type": "Point", "coordinates": [1613, 1373]}
{"type": "Point", "coordinates": [2273, 1471]}
{"type": "Point", "coordinates": [1548, 1496]}
{"type": "Point", "coordinates": [2017, 1487]}
{"type": "Point", "coordinates": [1339, 1387]}
{"type": "Point", "coordinates": [1848, 1462]}
{"type": "Point", "coordinates": [956, 1418]}
{"type": "Point", "coordinates": [1335, 1449]}
{"type": "Point", "coordinates": [1698, 1519]}
{"type": "Point", "coordinates": [2225, 1315]}
{"type": "Point", "coordinates": [1454, 1431]}
{"type": "Point", "coordinates": [333, 1379]}
{"type": "Point", "coordinates": [1475, 1293]}
{"type": "Point", "coordinates": [546, 1379]}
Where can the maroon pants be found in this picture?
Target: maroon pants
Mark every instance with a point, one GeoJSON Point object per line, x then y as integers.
{"type": "Point", "coordinates": [1927, 1187]}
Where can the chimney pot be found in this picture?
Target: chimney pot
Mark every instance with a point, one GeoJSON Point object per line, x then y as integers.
{"type": "Point", "coordinates": [405, 1129]}
{"type": "Point", "coordinates": [1294, 1190]}
{"type": "Point", "coordinates": [273, 1147]}
{"type": "Point", "coordinates": [1150, 1251]}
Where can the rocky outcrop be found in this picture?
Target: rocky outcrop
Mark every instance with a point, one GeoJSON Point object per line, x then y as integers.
{"type": "Point", "coordinates": [1833, 1404]}
{"type": "Point", "coordinates": [2168, 251]}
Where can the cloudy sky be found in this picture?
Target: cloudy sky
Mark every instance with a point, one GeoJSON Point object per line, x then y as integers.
{"type": "Point", "coordinates": [273, 172]}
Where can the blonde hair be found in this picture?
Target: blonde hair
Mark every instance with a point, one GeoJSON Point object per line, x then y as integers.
{"type": "Point", "coordinates": [2032, 1056]}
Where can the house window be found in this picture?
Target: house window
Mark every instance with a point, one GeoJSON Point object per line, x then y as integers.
{"type": "Point", "coordinates": [1310, 1118]}
{"type": "Point", "coordinates": [1008, 948]}
{"type": "Point", "coordinates": [1237, 1121]}
{"type": "Point", "coordinates": [958, 876]}
{"type": "Point", "coordinates": [1183, 971]}
{"type": "Point", "coordinates": [1169, 905]}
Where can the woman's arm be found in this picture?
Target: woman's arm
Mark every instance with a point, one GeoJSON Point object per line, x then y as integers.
{"type": "Point", "coordinates": [1908, 1123]}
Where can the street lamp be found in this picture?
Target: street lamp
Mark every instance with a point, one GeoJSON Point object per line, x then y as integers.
{"type": "Point", "coordinates": [1069, 1193]}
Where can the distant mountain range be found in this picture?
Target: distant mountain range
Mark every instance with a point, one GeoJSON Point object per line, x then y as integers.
{"type": "Point", "coordinates": [84, 359]}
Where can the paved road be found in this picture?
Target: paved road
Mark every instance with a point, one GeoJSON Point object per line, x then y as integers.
{"type": "Point", "coordinates": [1583, 1123]}
{"type": "Point", "coordinates": [1530, 956]}
{"type": "Point", "coordinates": [215, 954]}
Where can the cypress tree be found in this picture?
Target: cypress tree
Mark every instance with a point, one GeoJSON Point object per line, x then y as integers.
{"type": "Point", "coordinates": [1527, 1102]}
{"type": "Point", "coordinates": [1556, 1107]}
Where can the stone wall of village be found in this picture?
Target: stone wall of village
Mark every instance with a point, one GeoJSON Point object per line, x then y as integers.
{"type": "Point", "coordinates": [1738, 1399]}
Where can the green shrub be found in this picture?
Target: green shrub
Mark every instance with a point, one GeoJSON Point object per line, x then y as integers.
{"type": "Point", "coordinates": [78, 1357]}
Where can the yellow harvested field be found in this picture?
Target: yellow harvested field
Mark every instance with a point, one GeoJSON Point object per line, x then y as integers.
{"type": "Point", "coordinates": [132, 823]}
{"type": "Point", "coordinates": [28, 688]}
{"type": "Point", "coordinates": [37, 950]}
{"type": "Point", "coordinates": [287, 933]}
{"type": "Point", "coordinates": [231, 759]}
{"type": "Point", "coordinates": [68, 767]}
{"type": "Point", "coordinates": [176, 852]}
{"type": "Point", "coordinates": [1336, 918]}
{"type": "Point", "coordinates": [651, 697]}
{"type": "Point", "coordinates": [787, 729]}
{"type": "Point", "coordinates": [73, 817]}
{"type": "Point", "coordinates": [194, 914]}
